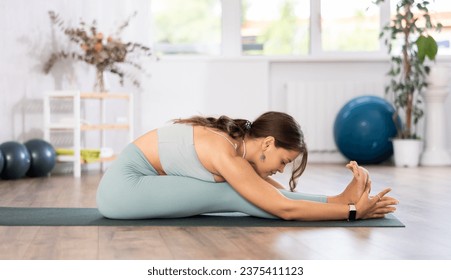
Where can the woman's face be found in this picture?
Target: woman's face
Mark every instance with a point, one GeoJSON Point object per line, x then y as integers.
{"type": "Point", "coordinates": [275, 159]}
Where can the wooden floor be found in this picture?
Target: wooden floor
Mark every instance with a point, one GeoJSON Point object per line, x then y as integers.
{"type": "Point", "coordinates": [425, 209]}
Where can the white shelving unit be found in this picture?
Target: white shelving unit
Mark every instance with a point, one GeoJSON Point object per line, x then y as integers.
{"type": "Point", "coordinates": [77, 127]}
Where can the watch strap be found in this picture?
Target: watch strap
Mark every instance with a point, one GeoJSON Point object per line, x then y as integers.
{"type": "Point", "coordinates": [352, 212]}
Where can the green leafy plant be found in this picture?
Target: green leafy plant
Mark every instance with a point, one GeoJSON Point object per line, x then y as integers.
{"type": "Point", "coordinates": [409, 26]}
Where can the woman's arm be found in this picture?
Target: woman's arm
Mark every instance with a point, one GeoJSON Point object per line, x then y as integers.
{"type": "Point", "coordinates": [274, 183]}
{"type": "Point", "coordinates": [242, 177]}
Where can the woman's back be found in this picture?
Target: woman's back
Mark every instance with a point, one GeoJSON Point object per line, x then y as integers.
{"type": "Point", "coordinates": [185, 150]}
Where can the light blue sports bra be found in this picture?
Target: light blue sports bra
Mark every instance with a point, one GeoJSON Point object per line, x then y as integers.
{"type": "Point", "coordinates": [178, 156]}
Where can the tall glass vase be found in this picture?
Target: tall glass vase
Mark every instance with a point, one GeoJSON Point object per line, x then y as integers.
{"type": "Point", "coordinates": [99, 86]}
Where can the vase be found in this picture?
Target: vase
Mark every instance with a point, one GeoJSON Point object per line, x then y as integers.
{"type": "Point", "coordinates": [407, 152]}
{"type": "Point", "coordinates": [99, 86]}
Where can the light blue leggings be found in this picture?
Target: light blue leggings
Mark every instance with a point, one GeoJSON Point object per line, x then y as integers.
{"type": "Point", "coordinates": [132, 189]}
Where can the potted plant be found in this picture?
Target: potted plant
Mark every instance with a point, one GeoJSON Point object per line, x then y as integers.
{"type": "Point", "coordinates": [106, 53]}
{"type": "Point", "coordinates": [409, 44]}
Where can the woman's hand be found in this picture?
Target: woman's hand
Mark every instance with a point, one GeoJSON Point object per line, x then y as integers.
{"type": "Point", "coordinates": [370, 207]}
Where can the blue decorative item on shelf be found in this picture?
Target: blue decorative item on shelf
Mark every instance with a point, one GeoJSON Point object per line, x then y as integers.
{"type": "Point", "coordinates": [363, 129]}
{"type": "Point", "coordinates": [16, 160]}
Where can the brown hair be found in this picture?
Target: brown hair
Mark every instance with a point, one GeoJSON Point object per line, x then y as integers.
{"type": "Point", "coordinates": [283, 127]}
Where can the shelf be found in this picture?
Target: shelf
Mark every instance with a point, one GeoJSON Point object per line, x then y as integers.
{"type": "Point", "coordinates": [64, 158]}
{"type": "Point", "coordinates": [61, 126]}
{"type": "Point", "coordinates": [86, 127]}
{"type": "Point", "coordinates": [89, 95]}
{"type": "Point", "coordinates": [77, 127]}
{"type": "Point", "coordinates": [105, 127]}
{"type": "Point", "coordinates": [97, 95]}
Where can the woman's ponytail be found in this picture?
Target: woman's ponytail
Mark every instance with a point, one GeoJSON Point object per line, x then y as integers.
{"type": "Point", "coordinates": [236, 128]}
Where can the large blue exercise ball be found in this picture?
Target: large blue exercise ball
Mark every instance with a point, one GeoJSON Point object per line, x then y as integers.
{"type": "Point", "coordinates": [363, 129]}
{"type": "Point", "coordinates": [16, 160]}
{"type": "Point", "coordinates": [43, 157]}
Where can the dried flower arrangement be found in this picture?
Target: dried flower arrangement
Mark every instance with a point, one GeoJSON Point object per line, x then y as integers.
{"type": "Point", "coordinates": [104, 52]}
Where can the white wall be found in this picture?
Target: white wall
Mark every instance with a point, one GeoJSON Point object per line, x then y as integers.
{"type": "Point", "coordinates": [186, 87]}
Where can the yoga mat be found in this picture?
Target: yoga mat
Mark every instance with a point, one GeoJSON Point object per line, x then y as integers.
{"type": "Point", "coordinates": [24, 216]}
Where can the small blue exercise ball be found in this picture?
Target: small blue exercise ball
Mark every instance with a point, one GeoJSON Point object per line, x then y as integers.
{"type": "Point", "coordinates": [16, 160]}
{"type": "Point", "coordinates": [43, 157]}
{"type": "Point", "coordinates": [363, 129]}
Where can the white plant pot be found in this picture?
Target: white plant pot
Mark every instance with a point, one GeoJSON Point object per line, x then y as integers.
{"type": "Point", "coordinates": [407, 152]}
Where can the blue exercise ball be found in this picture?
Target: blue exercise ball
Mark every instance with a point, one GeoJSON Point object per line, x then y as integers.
{"type": "Point", "coordinates": [43, 157]}
{"type": "Point", "coordinates": [2, 161]}
{"type": "Point", "coordinates": [16, 160]}
{"type": "Point", "coordinates": [363, 129]}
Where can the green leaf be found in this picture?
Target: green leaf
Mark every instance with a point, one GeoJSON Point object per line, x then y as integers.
{"type": "Point", "coordinates": [422, 7]}
{"type": "Point", "coordinates": [427, 46]}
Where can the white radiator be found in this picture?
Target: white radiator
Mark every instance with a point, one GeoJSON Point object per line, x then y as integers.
{"type": "Point", "coordinates": [315, 105]}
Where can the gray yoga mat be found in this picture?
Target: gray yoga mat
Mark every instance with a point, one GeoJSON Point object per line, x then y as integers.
{"type": "Point", "coordinates": [24, 216]}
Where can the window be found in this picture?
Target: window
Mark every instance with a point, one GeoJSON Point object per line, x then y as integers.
{"type": "Point", "coordinates": [349, 25]}
{"type": "Point", "coordinates": [186, 26]}
{"type": "Point", "coordinates": [275, 27]}
{"type": "Point", "coordinates": [279, 27]}
{"type": "Point", "coordinates": [440, 11]}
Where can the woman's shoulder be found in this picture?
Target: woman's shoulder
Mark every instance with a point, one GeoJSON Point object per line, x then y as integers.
{"type": "Point", "coordinates": [215, 141]}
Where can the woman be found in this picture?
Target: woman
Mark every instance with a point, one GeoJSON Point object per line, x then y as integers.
{"type": "Point", "coordinates": [207, 165]}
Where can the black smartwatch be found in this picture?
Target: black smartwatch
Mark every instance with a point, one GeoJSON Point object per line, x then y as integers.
{"type": "Point", "coordinates": [352, 212]}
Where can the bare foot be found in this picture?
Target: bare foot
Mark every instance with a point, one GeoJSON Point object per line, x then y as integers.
{"type": "Point", "coordinates": [358, 184]}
